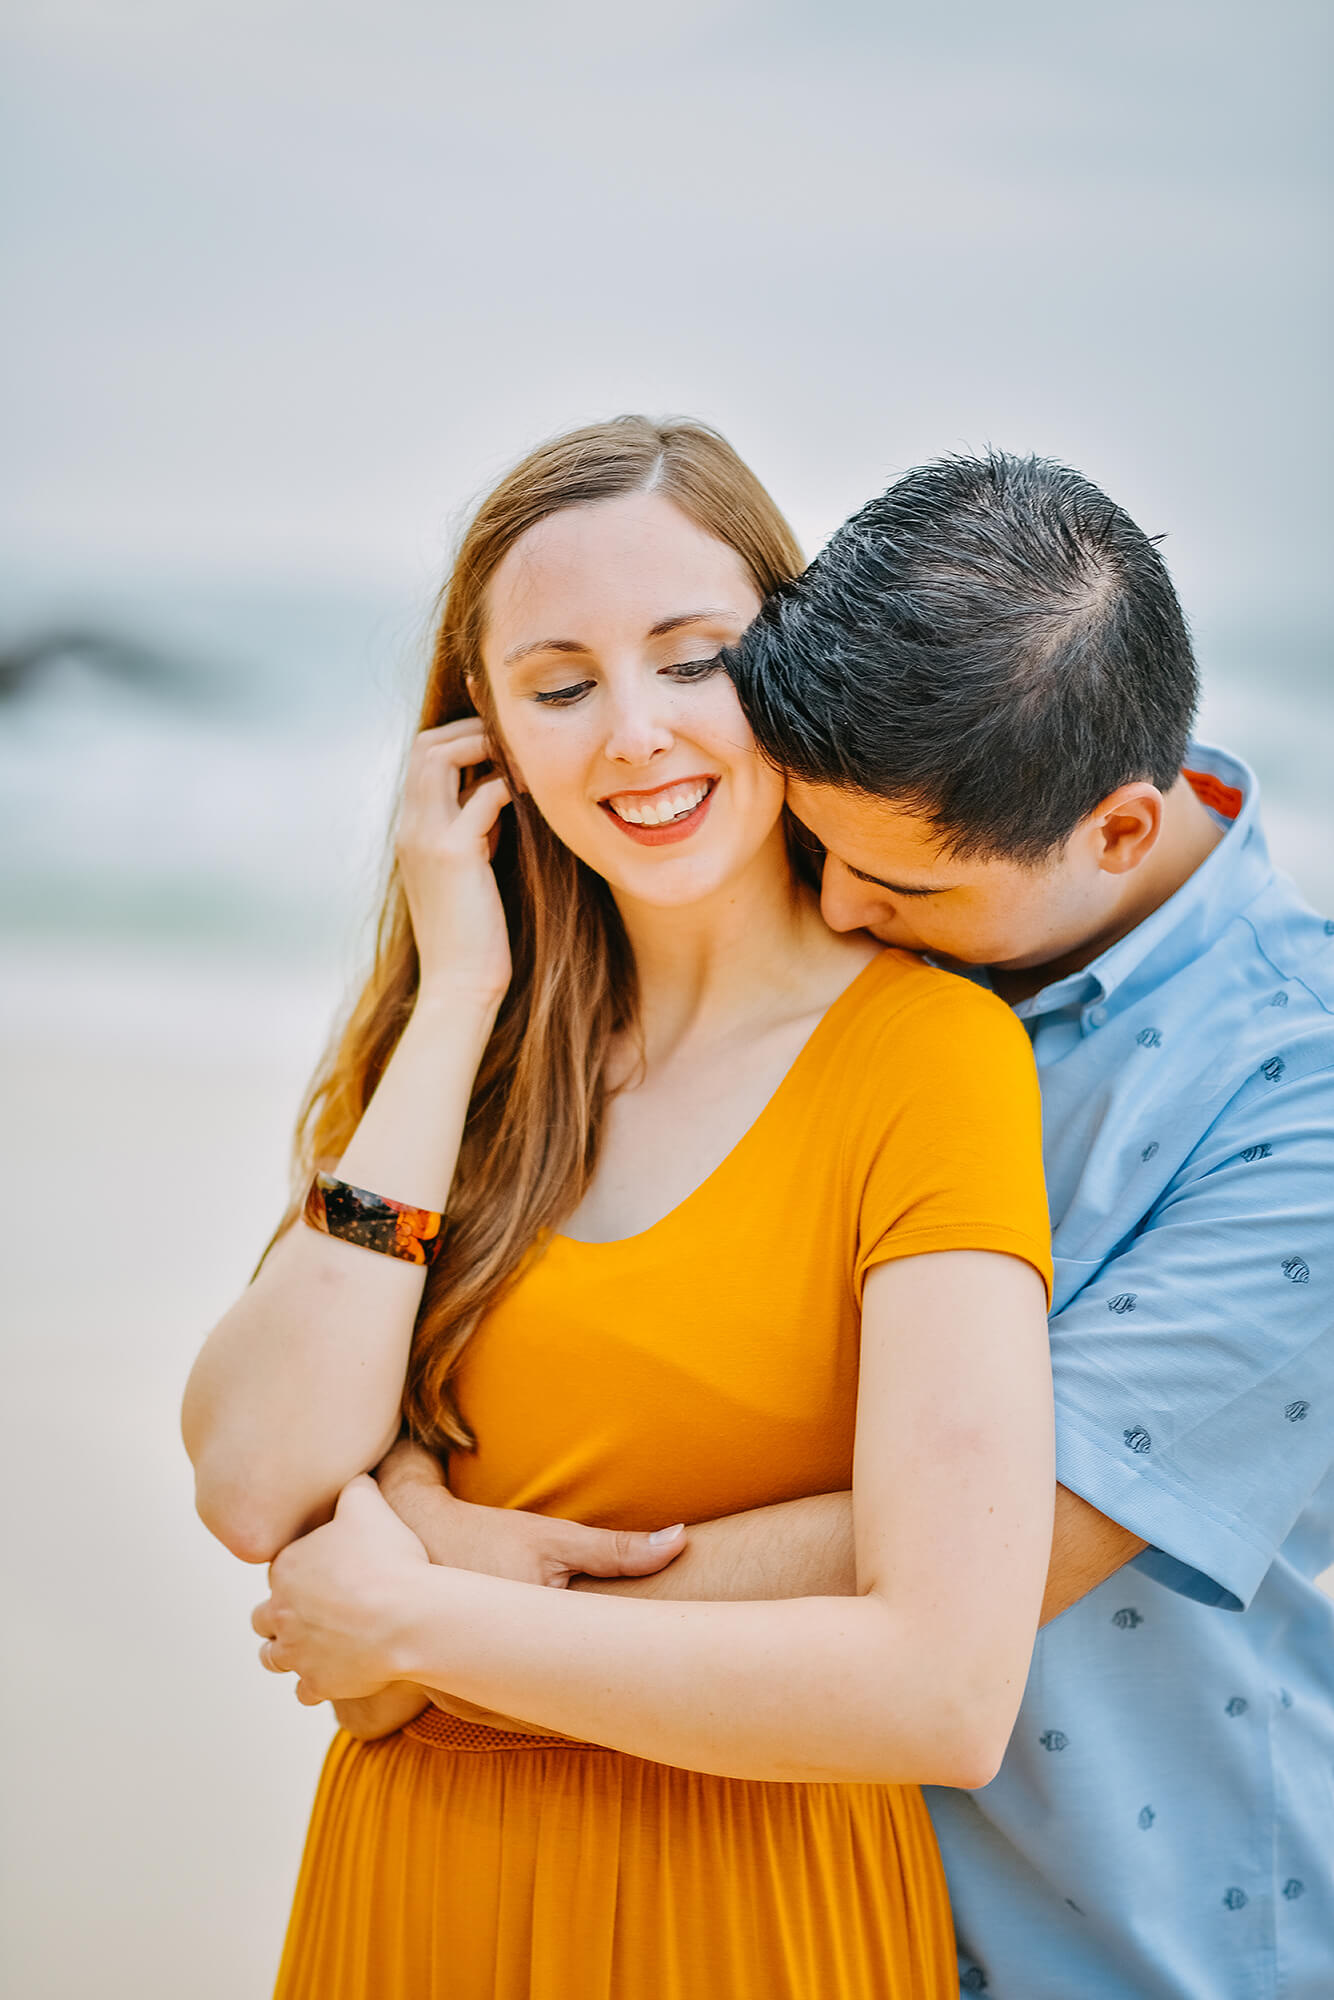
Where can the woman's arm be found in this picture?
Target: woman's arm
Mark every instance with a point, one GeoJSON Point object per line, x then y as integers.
{"type": "Point", "coordinates": [918, 1678]}
{"type": "Point", "coordinates": [298, 1387]}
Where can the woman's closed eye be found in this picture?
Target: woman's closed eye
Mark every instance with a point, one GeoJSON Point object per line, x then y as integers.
{"type": "Point", "coordinates": [562, 697]}
{"type": "Point", "coordinates": [694, 670]}
{"type": "Point", "coordinates": [684, 670]}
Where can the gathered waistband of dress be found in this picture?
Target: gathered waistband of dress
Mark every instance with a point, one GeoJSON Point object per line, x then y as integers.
{"type": "Point", "coordinates": [443, 1731]}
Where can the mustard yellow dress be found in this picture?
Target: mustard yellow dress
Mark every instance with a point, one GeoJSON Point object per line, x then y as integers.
{"type": "Point", "coordinates": [704, 1366]}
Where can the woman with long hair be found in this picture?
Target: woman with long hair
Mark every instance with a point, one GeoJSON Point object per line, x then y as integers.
{"type": "Point", "coordinates": [642, 1198]}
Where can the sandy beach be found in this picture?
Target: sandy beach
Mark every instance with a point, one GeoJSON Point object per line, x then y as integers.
{"type": "Point", "coordinates": [158, 1782]}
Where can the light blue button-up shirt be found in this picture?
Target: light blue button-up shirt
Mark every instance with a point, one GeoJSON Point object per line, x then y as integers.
{"type": "Point", "coordinates": [1163, 1824]}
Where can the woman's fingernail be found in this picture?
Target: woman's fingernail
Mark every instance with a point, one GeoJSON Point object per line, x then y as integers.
{"type": "Point", "coordinates": [661, 1535]}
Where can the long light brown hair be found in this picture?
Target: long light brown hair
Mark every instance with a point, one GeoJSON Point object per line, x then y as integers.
{"type": "Point", "coordinates": [536, 1114]}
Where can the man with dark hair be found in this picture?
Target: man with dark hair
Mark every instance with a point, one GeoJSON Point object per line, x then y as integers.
{"type": "Point", "coordinates": [983, 692]}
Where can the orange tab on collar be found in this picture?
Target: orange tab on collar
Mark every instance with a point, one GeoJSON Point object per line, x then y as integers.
{"type": "Point", "coordinates": [1225, 799]}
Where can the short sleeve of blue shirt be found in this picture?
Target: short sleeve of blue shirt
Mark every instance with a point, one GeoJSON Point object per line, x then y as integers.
{"type": "Point", "coordinates": [1194, 1381]}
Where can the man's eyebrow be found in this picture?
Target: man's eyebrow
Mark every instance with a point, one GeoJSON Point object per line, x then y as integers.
{"type": "Point", "coordinates": [658, 631]}
{"type": "Point", "coordinates": [899, 888]}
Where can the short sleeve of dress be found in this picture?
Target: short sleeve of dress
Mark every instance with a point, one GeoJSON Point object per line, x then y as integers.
{"type": "Point", "coordinates": [947, 1136]}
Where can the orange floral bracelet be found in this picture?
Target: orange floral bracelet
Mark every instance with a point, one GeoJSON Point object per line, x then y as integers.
{"type": "Point", "coordinates": [338, 1209]}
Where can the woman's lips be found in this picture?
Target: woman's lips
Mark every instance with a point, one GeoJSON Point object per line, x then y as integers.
{"type": "Point", "coordinates": [666, 832]}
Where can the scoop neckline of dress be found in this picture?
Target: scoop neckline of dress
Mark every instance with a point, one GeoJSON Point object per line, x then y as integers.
{"type": "Point", "coordinates": [780, 1089]}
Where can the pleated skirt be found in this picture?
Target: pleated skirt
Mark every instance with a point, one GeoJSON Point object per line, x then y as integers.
{"type": "Point", "coordinates": [454, 1862]}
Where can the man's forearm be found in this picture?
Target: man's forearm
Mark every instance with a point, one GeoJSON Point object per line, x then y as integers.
{"type": "Point", "coordinates": [804, 1548]}
{"type": "Point", "coordinates": [799, 1548]}
{"type": "Point", "coordinates": [1086, 1548]}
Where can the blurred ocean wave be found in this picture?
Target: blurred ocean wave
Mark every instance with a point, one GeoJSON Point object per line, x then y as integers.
{"type": "Point", "coordinates": [208, 772]}
{"type": "Point", "coordinates": [236, 788]}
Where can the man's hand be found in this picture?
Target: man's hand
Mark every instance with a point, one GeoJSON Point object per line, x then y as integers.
{"type": "Point", "coordinates": [382, 1714]}
{"type": "Point", "coordinates": [502, 1541]}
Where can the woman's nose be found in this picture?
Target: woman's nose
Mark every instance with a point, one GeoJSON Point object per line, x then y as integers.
{"type": "Point", "coordinates": [639, 731]}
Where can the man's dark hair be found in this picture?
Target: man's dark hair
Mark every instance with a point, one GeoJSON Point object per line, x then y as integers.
{"type": "Point", "coordinates": [991, 643]}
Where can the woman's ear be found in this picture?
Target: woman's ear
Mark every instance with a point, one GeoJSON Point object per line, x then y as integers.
{"type": "Point", "coordinates": [503, 760]}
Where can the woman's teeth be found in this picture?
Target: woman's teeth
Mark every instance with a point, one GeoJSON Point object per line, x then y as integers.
{"type": "Point", "coordinates": [660, 807]}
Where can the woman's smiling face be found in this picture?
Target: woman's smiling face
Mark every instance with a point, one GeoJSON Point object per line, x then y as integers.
{"type": "Point", "coordinates": [604, 624]}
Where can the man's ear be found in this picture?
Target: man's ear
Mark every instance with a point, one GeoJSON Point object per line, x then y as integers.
{"type": "Point", "coordinates": [1125, 827]}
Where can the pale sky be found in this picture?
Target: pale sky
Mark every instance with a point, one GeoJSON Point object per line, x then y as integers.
{"type": "Point", "coordinates": [295, 278]}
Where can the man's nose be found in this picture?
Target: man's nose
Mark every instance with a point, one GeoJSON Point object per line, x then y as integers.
{"type": "Point", "coordinates": [847, 904]}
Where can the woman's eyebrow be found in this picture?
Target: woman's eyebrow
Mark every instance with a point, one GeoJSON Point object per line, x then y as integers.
{"type": "Point", "coordinates": [658, 631]}
{"type": "Point", "coordinates": [665, 625]}
{"type": "Point", "coordinates": [517, 653]}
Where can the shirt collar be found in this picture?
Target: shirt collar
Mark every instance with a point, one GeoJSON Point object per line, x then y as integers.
{"type": "Point", "coordinates": [1187, 923]}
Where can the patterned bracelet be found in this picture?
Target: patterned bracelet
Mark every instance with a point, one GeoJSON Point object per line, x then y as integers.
{"type": "Point", "coordinates": [357, 1216]}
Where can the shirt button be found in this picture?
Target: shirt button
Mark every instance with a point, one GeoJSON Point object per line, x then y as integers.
{"type": "Point", "coordinates": [1096, 1016]}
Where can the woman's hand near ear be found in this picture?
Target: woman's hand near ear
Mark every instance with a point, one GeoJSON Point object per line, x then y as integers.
{"type": "Point", "coordinates": [444, 845]}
